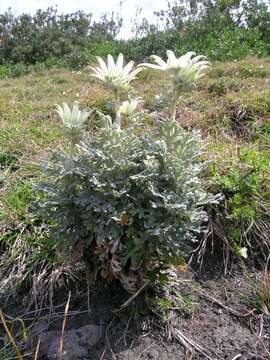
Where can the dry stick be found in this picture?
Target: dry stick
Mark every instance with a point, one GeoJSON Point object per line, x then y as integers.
{"type": "Point", "coordinates": [147, 348]}
{"type": "Point", "coordinates": [61, 348]}
{"type": "Point", "coordinates": [261, 327]}
{"type": "Point", "coordinates": [107, 338]}
{"type": "Point", "coordinates": [126, 330]}
{"type": "Point", "coordinates": [53, 316]}
{"type": "Point", "coordinates": [188, 343]}
{"type": "Point", "coordinates": [37, 350]}
{"type": "Point", "coordinates": [132, 297]}
{"type": "Point", "coordinates": [124, 336]}
{"type": "Point", "coordinates": [215, 301]}
{"type": "Point", "coordinates": [103, 354]}
{"type": "Point", "coordinates": [88, 298]}
{"type": "Point", "coordinates": [237, 356]}
{"type": "Point", "coordinates": [20, 357]}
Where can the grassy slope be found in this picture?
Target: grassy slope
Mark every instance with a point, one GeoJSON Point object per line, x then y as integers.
{"type": "Point", "coordinates": [29, 127]}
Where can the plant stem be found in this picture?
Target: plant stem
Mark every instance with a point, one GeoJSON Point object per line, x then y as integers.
{"type": "Point", "coordinates": [117, 112]}
{"type": "Point", "coordinates": [174, 103]}
{"type": "Point", "coordinates": [173, 110]}
{"type": "Point", "coordinates": [118, 119]}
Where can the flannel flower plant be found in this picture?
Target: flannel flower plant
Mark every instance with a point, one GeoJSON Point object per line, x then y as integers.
{"type": "Point", "coordinates": [184, 72]}
{"type": "Point", "coordinates": [132, 203]}
{"type": "Point", "coordinates": [117, 77]}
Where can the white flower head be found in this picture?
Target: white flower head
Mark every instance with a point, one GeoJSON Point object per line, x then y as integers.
{"type": "Point", "coordinates": [128, 107]}
{"type": "Point", "coordinates": [243, 252]}
{"type": "Point", "coordinates": [72, 117]}
{"type": "Point", "coordinates": [183, 71]}
{"type": "Point", "coordinates": [115, 75]}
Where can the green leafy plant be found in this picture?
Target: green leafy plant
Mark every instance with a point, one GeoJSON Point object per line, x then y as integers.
{"type": "Point", "coordinates": [133, 204]}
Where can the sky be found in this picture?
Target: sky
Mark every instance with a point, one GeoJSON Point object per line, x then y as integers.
{"type": "Point", "coordinates": [97, 7]}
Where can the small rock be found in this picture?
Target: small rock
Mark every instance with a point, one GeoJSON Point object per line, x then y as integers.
{"type": "Point", "coordinates": [152, 354]}
{"type": "Point", "coordinates": [77, 342]}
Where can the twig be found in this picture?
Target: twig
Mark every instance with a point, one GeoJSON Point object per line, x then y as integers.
{"type": "Point", "coordinates": [37, 350]}
{"type": "Point", "coordinates": [102, 355]}
{"type": "Point", "coordinates": [237, 356]}
{"type": "Point", "coordinates": [107, 337]}
{"type": "Point", "coordinates": [234, 312]}
{"type": "Point", "coordinates": [188, 343]}
{"type": "Point", "coordinates": [147, 348]}
{"type": "Point", "coordinates": [132, 297]}
{"type": "Point", "coordinates": [126, 330]}
{"type": "Point", "coordinates": [61, 348]}
{"type": "Point", "coordinates": [261, 327]}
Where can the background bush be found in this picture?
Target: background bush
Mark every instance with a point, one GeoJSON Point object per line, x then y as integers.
{"type": "Point", "coordinates": [222, 30]}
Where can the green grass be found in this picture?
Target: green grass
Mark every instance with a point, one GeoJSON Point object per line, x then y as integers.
{"type": "Point", "coordinates": [14, 202]}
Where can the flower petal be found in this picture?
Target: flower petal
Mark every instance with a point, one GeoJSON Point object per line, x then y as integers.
{"type": "Point", "coordinates": [120, 62]}
{"type": "Point", "coordinates": [159, 61]}
{"type": "Point", "coordinates": [110, 63]}
{"type": "Point", "coordinates": [172, 61]}
{"type": "Point", "coordinates": [102, 64]}
{"type": "Point", "coordinates": [128, 67]}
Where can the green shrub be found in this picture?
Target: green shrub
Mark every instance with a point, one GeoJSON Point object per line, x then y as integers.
{"type": "Point", "coordinates": [77, 59]}
{"type": "Point", "coordinates": [235, 43]}
{"type": "Point", "coordinates": [134, 205]}
{"type": "Point", "coordinates": [102, 49]}
{"type": "Point", "coordinates": [249, 70]}
{"type": "Point", "coordinates": [19, 69]}
{"type": "Point", "coordinates": [4, 71]}
{"type": "Point", "coordinates": [242, 218]}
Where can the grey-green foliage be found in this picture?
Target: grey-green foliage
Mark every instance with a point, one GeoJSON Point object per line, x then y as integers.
{"type": "Point", "coordinates": [134, 204]}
